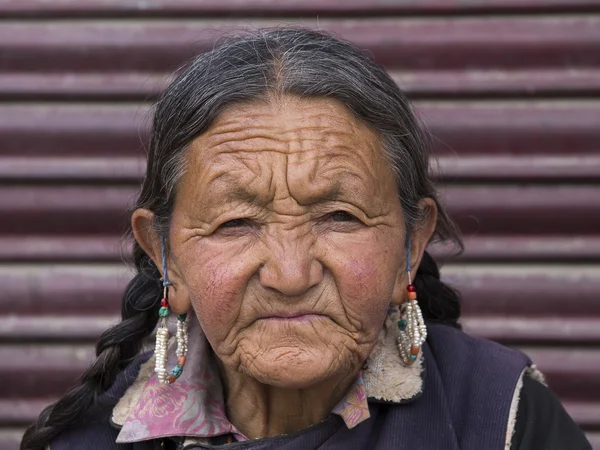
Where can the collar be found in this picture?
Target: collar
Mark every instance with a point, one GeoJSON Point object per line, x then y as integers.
{"type": "Point", "coordinates": [194, 406]}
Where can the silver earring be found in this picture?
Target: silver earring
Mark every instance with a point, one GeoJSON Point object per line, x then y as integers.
{"type": "Point", "coordinates": [413, 331]}
{"type": "Point", "coordinates": [162, 333]}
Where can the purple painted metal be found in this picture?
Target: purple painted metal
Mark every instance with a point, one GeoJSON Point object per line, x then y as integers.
{"type": "Point", "coordinates": [410, 43]}
{"type": "Point", "coordinates": [512, 98]}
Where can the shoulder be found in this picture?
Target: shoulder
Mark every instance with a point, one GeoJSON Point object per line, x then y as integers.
{"type": "Point", "coordinates": [97, 431]}
{"type": "Point", "coordinates": [458, 353]}
{"type": "Point", "coordinates": [478, 379]}
{"type": "Point", "coordinates": [542, 421]}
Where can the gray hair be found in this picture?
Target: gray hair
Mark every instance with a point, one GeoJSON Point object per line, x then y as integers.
{"type": "Point", "coordinates": [294, 61]}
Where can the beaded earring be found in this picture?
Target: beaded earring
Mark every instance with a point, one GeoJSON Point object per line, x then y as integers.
{"type": "Point", "coordinates": [413, 331]}
{"type": "Point", "coordinates": [162, 333]}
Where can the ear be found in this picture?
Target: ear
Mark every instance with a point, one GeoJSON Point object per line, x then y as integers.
{"type": "Point", "coordinates": [149, 240]}
{"type": "Point", "coordinates": [421, 235]}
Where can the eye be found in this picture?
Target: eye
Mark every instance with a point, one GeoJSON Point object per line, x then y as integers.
{"type": "Point", "coordinates": [342, 216]}
{"type": "Point", "coordinates": [235, 223]}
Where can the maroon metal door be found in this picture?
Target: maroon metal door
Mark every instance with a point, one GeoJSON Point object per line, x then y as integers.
{"type": "Point", "coordinates": [510, 89]}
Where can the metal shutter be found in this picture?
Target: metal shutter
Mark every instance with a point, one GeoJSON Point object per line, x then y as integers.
{"type": "Point", "coordinates": [510, 89]}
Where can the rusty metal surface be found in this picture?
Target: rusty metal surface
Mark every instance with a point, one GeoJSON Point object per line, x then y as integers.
{"type": "Point", "coordinates": [509, 88]}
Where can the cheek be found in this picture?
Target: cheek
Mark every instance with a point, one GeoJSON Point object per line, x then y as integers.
{"type": "Point", "coordinates": [216, 285]}
{"type": "Point", "coordinates": [365, 276]}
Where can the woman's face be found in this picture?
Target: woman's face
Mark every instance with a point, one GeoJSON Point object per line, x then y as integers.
{"type": "Point", "coordinates": [288, 240]}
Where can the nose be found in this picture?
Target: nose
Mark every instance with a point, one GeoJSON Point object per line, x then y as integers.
{"type": "Point", "coordinates": [290, 268]}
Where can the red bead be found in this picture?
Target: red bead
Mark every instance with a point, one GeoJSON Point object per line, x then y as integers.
{"type": "Point", "coordinates": [172, 379]}
{"type": "Point", "coordinates": [164, 303]}
{"type": "Point", "coordinates": [181, 360]}
{"type": "Point", "coordinates": [410, 288]}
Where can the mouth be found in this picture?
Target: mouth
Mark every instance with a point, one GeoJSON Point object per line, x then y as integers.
{"type": "Point", "coordinates": [294, 318]}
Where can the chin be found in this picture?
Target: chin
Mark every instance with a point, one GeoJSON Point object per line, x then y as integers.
{"type": "Point", "coordinates": [294, 369]}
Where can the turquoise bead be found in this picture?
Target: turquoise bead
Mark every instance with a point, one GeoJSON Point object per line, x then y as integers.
{"type": "Point", "coordinates": [163, 311]}
{"type": "Point", "coordinates": [413, 357]}
{"type": "Point", "coordinates": [177, 371]}
{"type": "Point", "coordinates": [182, 317]}
{"type": "Point", "coordinates": [402, 324]}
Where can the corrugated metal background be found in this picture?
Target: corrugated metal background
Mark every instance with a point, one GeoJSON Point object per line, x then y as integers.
{"type": "Point", "coordinates": [510, 89]}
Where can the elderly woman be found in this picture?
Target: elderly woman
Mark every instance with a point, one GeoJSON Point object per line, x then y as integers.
{"type": "Point", "coordinates": [286, 205]}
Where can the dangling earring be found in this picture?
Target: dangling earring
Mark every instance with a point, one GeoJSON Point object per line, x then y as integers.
{"type": "Point", "coordinates": [413, 331]}
{"type": "Point", "coordinates": [162, 333]}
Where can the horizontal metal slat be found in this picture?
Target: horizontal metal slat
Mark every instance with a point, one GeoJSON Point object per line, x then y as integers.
{"type": "Point", "coordinates": [482, 128]}
{"type": "Point", "coordinates": [513, 330]}
{"type": "Point", "coordinates": [62, 210]}
{"type": "Point", "coordinates": [65, 248]}
{"type": "Point", "coordinates": [423, 83]}
{"type": "Point", "coordinates": [477, 209]}
{"type": "Point", "coordinates": [490, 248]}
{"type": "Point", "coordinates": [530, 169]}
{"type": "Point", "coordinates": [46, 371]}
{"type": "Point", "coordinates": [162, 45]}
{"type": "Point", "coordinates": [165, 7]}
{"type": "Point", "coordinates": [516, 248]}
{"type": "Point", "coordinates": [526, 290]}
{"type": "Point", "coordinates": [74, 169]}
{"type": "Point", "coordinates": [505, 209]}
{"type": "Point", "coordinates": [508, 127]}
{"type": "Point", "coordinates": [82, 130]}
{"type": "Point", "coordinates": [78, 289]}
{"type": "Point", "coordinates": [64, 327]}
{"type": "Point", "coordinates": [467, 82]}
{"type": "Point", "coordinates": [42, 370]}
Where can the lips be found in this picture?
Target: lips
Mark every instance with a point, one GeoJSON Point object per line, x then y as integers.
{"type": "Point", "coordinates": [291, 318]}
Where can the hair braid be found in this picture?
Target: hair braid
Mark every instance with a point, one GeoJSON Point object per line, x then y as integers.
{"type": "Point", "coordinates": [438, 301]}
{"type": "Point", "coordinates": [116, 347]}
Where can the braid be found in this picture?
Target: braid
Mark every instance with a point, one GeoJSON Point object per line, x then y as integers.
{"type": "Point", "coordinates": [438, 301]}
{"type": "Point", "coordinates": [116, 348]}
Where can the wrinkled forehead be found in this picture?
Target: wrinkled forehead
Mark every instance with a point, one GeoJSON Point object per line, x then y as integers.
{"type": "Point", "coordinates": [310, 147]}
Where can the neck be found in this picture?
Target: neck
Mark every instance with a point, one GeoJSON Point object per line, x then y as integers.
{"type": "Point", "coordinates": [258, 410]}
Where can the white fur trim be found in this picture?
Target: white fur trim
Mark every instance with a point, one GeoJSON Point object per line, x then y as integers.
{"type": "Point", "coordinates": [533, 372]}
{"type": "Point", "coordinates": [512, 414]}
{"type": "Point", "coordinates": [121, 410]}
{"type": "Point", "coordinates": [386, 376]}
{"type": "Point", "coordinates": [530, 371]}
